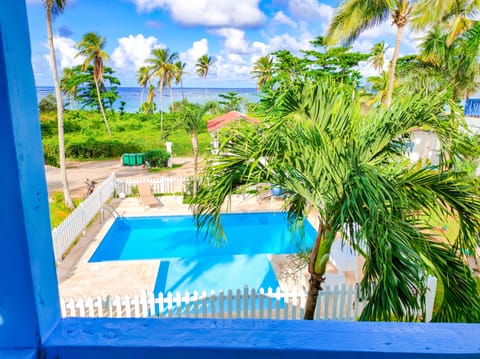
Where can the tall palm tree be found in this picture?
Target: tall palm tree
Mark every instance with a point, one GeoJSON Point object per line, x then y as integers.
{"type": "Point", "coordinates": [179, 72]}
{"type": "Point", "coordinates": [354, 16]}
{"type": "Point", "coordinates": [191, 116]}
{"type": "Point", "coordinates": [203, 65]}
{"type": "Point", "coordinates": [161, 66]}
{"type": "Point", "coordinates": [348, 168]}
{"type": "Point", "coordinates": [263, 70]}
{"type": "Point", "coordinates": [143, 77]}
{"type": "Point", "coordinates": [53, 8]}
{"type": "Point", "coordinates": [377, 60]}
{"type": "Point", "coordinates": [91, 46]}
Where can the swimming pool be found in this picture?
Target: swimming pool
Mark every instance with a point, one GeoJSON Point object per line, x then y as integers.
{"type": "Point", "coordinates": [191, 261]}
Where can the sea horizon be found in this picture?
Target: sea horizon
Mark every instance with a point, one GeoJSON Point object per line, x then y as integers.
{"type": "Point", "coordinates": [132, 96]}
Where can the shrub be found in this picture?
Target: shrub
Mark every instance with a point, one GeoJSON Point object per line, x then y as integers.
{"type": "Point", "coordinates": [93, 148]}
{"type": "Point", "coordinates": [48, 104]}
{"type": "Point", "coordinates": [50, 153]}
{"type": "Point", "coordinates": [157, 158]}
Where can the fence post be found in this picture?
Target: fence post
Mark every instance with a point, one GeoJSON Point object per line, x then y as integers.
{"type": "Point", "coordinates": [430, 297]}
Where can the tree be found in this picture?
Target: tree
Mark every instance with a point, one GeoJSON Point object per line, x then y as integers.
{"type": "Point", "coordinates": [230, 101]}
{"type": "Point", "coordinates": [91, 47]}
{"type": "Point", "coordinates": [456, 16]}
{"type": "Point", "coordinates": [377, 60]}
{"type": "Point", "coordinates": [191, 116]}
{"type": "Point", "coordinates": [203, 65]}
{"type": "Point", "coordinates": [263, 70]}
{"type": "Point", "coordinates": [82, 84]}
{"type": "Point", "coordinates": [162, 66]}
{"type": "Point", "coordinates": [69, 85]}
{"type": "Point", "coordinates": [349, 168]}
{"type": "Point", "coordinates": [53, 8]}
{"type": "Point", "coordinates": [143, 77]}
{"type": "Point", "coordinates": [179, 72]}
{"type": "Point", "coordinates": [354, 16]}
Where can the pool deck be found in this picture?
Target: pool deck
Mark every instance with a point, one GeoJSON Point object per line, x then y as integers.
{"type": "Point", "coordinates": [79, 278]}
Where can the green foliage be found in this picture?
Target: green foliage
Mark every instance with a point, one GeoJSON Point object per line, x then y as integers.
{"type": "Point", "coordinates": [58, 209]}
{"type": "Point", "coordinates": [231, 101]}
{"type": "Point", "coordinates": [48, 104]}
{"type": "Point", "coordinates": [80, 85]}
{"type": "Point", "coordinates": [93, 148]}
{"type": "Point", "coordinates": [50, 152]}
{"type": "Point", "coordinates": [157, 158]}
{"type": "Point", "coordinates": [328, 155]}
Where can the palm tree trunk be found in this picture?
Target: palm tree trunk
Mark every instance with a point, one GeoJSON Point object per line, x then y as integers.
{"type": "Point", "coordinates": [181, 86]}
{"type": "Point", "coordinates": [195, 163]}
{"type": "Point", "coordinates": [58, 95]}
{"type": "Point", "coordinates": [161, 106]}
{"type": "Point", "coordinates": [171, 97]}
{"type": "Point", "coordinates": [317, 268]}
{"type": "Point", "coordinates": [393, 65]}
{"type": "Point", "coordinates": [141, 97]}
{"type": "Point", "coordinates": [100, 104]}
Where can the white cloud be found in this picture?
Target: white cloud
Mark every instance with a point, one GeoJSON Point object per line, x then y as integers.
{"type": "Point", "coordinates": [281, 18]}
{"type": "Point", "coordinates": [235, 41]}
{"type": "Point", "coordinates": [245, 13]}
{"type": "Point", "coordinates": [133, 50]}
{"type": "Point", "coordinates": [310, 10]}
{"type": "Point", "coordinates": [65, 52]}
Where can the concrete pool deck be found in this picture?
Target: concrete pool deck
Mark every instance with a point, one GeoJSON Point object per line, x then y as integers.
{"type": "Point", "coordinates": [79, 278]}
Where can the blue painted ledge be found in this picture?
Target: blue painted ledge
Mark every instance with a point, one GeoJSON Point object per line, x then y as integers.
{"type": "Point", "coordinates": [189, 338]}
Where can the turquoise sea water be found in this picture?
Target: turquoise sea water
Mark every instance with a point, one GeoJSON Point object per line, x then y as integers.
{"type": "Point", "coordinates": [190, 261]}
{"type": "Point", "coordinates": [133, 95]}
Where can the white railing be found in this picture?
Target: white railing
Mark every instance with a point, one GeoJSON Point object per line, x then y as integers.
{"type": "Point", "coordinates": [165, 184]}
{"type": "Point", "coordinates": [66, 232]}
{"type": "Point", "coordinates": [339, 303]}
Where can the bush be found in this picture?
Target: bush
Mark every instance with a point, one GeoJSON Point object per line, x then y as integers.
{"type": "Point", "coordinates": [48, 104]}
{"type": "Point", "coordinates": [50, 153]}
{"type": "Point", "coordinates": [93, 148]}
{"type": "Point", "coordinates": [157, 158]}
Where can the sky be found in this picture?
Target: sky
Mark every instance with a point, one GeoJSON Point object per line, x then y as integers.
{"type": "Point", "coordinates": [235, 33]}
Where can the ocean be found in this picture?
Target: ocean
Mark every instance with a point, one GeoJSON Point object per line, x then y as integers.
{"type": "Point", "coordinates": [133, 95]}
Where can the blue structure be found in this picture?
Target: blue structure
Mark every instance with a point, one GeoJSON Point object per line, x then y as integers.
{"type": "Point", "coordinates": [30, 321]}
{"type": "Point", "coordinates": [472, 107]}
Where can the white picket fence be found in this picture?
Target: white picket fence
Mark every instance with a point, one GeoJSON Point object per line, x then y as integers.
{"type": "Point", "coordinates": [66, 232]}
{"type": "Point", "coordinates": [337, 303]}
{"type": "Point", "coordinates": [164, 184]}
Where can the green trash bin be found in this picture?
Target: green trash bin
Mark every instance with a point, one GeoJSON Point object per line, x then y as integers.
{"type": "Point", "coordinates": [125, 159]}
{"type": "Point", "coordinates": [129, 159]}
{"type": "Point", "coordinates": [139, 159]}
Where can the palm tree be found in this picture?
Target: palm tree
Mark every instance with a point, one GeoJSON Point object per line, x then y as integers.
{"type": "Point", "coordinates": [379, 84]}
{"type": "Point", "coordinates": [143, 77]}
{"type": "Point", "coordinates": [203, 65]}
{"type": "Point", "coordinates": [191, 116]}
{"type": "Point", "coordinates": [263, 70]}
{"type": "Point", "coordinates": [456, 16]}
{"type": "Point", "coordinates": [161, 65]}
{"type": "Point", "coordinates": [354, 16]}
{"type": "Point", "coordinates": [179, 72]}
{"type": "Point", "coordinates": [377, 60]}
{"type": "Point", "coordinates": [53, 8]}
{"type": "Point", "coordinates": [91, 46]}
{"type": "Point", "coordinates": [349, 169]}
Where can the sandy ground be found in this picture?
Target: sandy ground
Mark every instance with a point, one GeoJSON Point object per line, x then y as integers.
{"type": "Point", "coordinates": [80, 171]}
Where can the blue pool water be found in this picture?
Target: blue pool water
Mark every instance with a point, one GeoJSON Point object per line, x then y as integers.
{"type": "Point", "coordinates": [191, 261]}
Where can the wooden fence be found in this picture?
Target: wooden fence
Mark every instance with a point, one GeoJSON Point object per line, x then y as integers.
{"type": "Point", "coordinates": [164, 184]}
{"type": "Point", "coordinates": [339, 303]}
{"type": "Point", "coordinates": [66, 232]}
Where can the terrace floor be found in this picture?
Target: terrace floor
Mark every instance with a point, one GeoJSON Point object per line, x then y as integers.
{"type": "Point", "coordinates": [79, 278]}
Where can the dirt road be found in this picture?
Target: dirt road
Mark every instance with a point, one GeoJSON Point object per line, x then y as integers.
{"type": "Point", "coordinates": [79, 171]}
